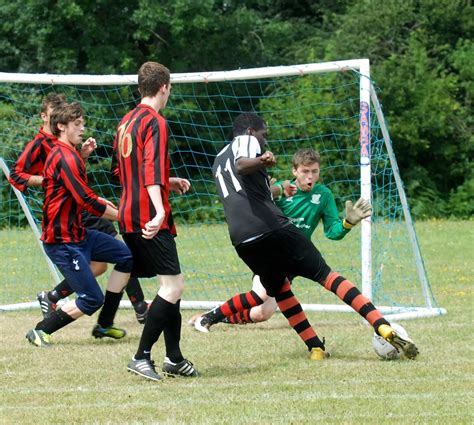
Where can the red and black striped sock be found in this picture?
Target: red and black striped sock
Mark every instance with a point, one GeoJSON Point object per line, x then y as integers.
{"type": "Point", "coordinates": [292, 310]}
{"type": "Point", "coordinates": [234, 305]}
{"type": "Point", "coordinates": [349, 293]}
{"type": "Point", "coordinates": [240, 318]}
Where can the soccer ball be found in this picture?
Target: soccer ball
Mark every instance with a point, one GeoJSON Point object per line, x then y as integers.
{"type": "Point", "coordinates": [384, 349]}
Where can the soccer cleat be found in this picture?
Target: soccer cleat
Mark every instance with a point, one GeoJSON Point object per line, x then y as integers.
{"type": "Point", "coordinates": [144, 368]}
{"type": "Point", "coordinates": [141, 311]}
{"type": "Point", "coordinates": [183, 368]}
{"type": "Point", "coordinates": [47, 307]}
{"type": "Point", "coordinates": [318, 354]}
{"type": "Point", "coordinates": [193, 319]}
{"type": "Point", "coordinates": [392, 337]}
{"type": "Point", "coordinates": [38, 338]}
{"type": "Point", "coordinates": [202, 324]}
{"type": "Point", "coordinates": [110, 332]}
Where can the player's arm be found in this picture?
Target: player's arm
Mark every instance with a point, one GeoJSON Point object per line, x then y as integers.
{"type": "Point", "coordinates": [179, 185]}
{"type": "Point", "coordinates": [20, 175]}
{"type": "Point", "coordinates": [88, 147]}
{"type": "Point", "coordinates": [333, 225]}
{"type": "Point", "coordinates": [153, 226]}
{"type": "Point", "coordinates": [245, 165]}
{"type": "Point", "coordinates": [283, 188]}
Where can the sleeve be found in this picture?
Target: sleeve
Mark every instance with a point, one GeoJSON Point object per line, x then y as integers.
{"type": "Point", "coordinates": [77, 186]}
{"type": "Point", "coordinates": [24, 167]}
{"type": "Point", "coordinates": [333, 228]}
{"type": "Point", "coordinates": [154, 153]}
{"type": "Point", "coordinates": [245, 147]}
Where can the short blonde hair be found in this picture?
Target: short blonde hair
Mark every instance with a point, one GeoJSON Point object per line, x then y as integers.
{"type": "Point", "coordinates": [305, 157]}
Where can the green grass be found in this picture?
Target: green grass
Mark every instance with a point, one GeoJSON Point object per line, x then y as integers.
{"type": "Point", "coordinates": [258, 374]}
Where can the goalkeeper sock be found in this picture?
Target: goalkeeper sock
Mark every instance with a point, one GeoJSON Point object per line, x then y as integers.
{"type": "Point", "coordinates": [172, 333]}
{"type": "Point", "coordinates": [62, 290]}
{"type": "Point", "coordinates": [134, 291]}
{"type": "Point", "coordinates": [234, 305]}
{"type": "Point", "coordinates": [349, 293]}
{"type": "Point", "coordinates": [292, 310]}
{"type": "Point", "coordinates": [154, 325]}
{"type": "Point", "coordinates": [55, 321]}
{"type": "Point", "coordinates": [109, 309]}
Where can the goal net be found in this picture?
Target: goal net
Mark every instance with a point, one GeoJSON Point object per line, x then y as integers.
{"type": "Point", "coordinates": [331, 107]}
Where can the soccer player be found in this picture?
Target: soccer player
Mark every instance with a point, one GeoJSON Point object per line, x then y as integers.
{"type": "Point", "coordinates": [305, 203]}
{"type": "Point", "coordinates": [27, 171]}
{"type": "Point", "coordinates": [65, 240]}
{"type": "Point", "coordinates": [141, 161]}
{"type": "Point", "coordinates": [272, 247]}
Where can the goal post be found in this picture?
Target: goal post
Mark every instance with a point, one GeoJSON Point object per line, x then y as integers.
{"type": "Point", "coordinates": [332, 107]}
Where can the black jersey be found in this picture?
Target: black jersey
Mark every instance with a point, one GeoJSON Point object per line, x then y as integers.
{"type": "Point", "coordinates": [248, 204]}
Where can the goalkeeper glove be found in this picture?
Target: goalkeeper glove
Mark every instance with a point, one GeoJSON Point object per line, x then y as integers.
{"type": "Point", "coordinates": [355, 213]}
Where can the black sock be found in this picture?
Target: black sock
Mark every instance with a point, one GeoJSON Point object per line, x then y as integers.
{"type": "Point", "coordinates": [172, 333]}
{"type": "Point", "coordinates": [134, 291]}
{"type": "Point", "coordinates": [109, 309]}
{"type": "Point", "coordinates": [54, 322]}
{"type": "Point", "coordinates": [62, 290]}
{"type": "Point", "coordinates": [157, 316]}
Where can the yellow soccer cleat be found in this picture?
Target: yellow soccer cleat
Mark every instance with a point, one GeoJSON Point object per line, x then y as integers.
{"type": "Point", "coordinates": [38, 338]}
{"type": "Point", "coordinates": [318, 354]}
{"type": "Point", "coordinates": [399, 342]}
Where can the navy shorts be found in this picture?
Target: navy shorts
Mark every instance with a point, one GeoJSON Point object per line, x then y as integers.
{"type": "Point", "coordinates": [73, 261]}
{"type": "Point", "coordinates": [91, 221]}
{"type": "Point", "coordinates": [156, 256]}
{"type": "Point", "coordinates": [281, 254]}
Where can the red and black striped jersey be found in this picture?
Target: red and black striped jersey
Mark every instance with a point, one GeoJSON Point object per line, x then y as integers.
{"type": "Point", "coordinates": [141, 159]}
{"type": "Point", "coordinates": [31, 161]}
{"type": "Point", "coordinates": [66, 195]}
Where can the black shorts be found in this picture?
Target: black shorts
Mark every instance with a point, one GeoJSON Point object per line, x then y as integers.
{"type": "Point", "coordinates": [151, 257]}
{"type": "Point", "coordinates": [283, 253]}
{"type": "Point", "coordinates": [91, 221]}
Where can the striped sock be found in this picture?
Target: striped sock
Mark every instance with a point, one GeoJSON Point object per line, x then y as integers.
{"type": "Point", "coordinates": [234, 305]}
{"type": "Point", "coordinates": [240, 318]}
{"type": "Point", "coordinates": [292, 310]}
{"type": "Point", "coordinates": [349, 293]}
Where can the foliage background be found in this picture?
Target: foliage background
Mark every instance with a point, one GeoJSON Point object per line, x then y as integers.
{"type": "Point", "coordinates": [421, 54]}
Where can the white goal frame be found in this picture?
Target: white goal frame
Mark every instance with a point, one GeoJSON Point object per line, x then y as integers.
{"type": "Point", "coordinates": [367, 98]}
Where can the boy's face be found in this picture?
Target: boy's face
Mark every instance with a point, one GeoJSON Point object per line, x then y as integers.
{"type": "Point", "coordinates": [260, 135]}
{"type": "Point", "coordinates": [306, 176]}
{"type": "Point", "coordinates": [73, 131]}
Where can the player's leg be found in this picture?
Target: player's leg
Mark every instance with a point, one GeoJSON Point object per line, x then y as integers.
{"type": "Point", "coordinates": [137, 298]}
{"type": "Point", "coordinates": [74, 265]}
{"type": "Point", "coordinates": [104, 248]}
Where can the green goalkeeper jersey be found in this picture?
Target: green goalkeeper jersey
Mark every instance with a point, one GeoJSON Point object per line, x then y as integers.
{"type": "Point", "coordinates": [306, 209]}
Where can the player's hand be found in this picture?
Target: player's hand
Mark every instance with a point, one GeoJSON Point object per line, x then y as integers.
{"type": "Point", "coordinates": [289, 189]}
{"type": "Point", "coordinates": [153, 226]}
{"type": "Point", "coordinates": [357, 212]}
{"type": "Point", "coordinates": [88, 147]}
{"type": "Point", "coordinates": [267, 159]}
{"type": "Point", "coordinates": [179, 185]}
{"type": "Point", "coordinates": [107, 202]}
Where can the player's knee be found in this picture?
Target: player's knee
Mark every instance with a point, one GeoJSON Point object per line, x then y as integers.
{"type": "Point", "coordinates": [125, 263]}
{"type": "Point", "coordinates": [98, 268]}
{"type": "Point", "coordinates": [90, 303]}
{"type": "Point", "coordinates": [258, 315]}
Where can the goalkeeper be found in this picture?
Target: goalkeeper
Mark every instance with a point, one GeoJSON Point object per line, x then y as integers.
{"type": "Point", "coordinates": [305, 202]}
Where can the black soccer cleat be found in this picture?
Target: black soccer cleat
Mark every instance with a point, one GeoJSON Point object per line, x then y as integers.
{"type": "Point", "coordinates": [141, 311]}
{"type": "Point", "coordinates": [183, 368]}
{"type": "Point", "coordinates": [47, 306]}
{"type": "Point", "coordinates": [144, 368]}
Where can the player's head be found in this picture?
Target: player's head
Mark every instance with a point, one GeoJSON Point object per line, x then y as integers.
{"type": "Point", "coordinates": [67, 122]}
{"type": "Point", "coordinates": [251, 124]}
{"type": "Point", "coordinates": [50, 101]}
{"type": "Point", "coordinates": [154, 78]}
{"type": "Point", "coordinates": [306, 163]}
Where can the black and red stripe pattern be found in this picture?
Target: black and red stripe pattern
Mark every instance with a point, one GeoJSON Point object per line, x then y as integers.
{"type": "Point", "coordinates": [141, 159]}
{"type": "Point", "coordinates": [66, 195]}
{"type": "Point", "coordinates": [31, 161]}
{"type": "Point", "coordinates": [240, 302]}
{"type": "Point", "coordinates": [348, 292]}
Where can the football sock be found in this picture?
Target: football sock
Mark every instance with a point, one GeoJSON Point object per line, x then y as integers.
{"type": "Point", "coordinates": [234, 305]}
{"type": "Point", "coordinates": [55, 321]}
{"type": "Point", "coordinates": [172, 333]}
{"type": "Point", "coordinates": [155, 323]}
{"type": "Point", "coordinates": [62, 290]}
{"type": "Point", "coordinates": [349, 293]}
{"type": "Point", "coordinates": [240, 318]}
{"type": "Point", "coordinates": [109, 309]}
{"type": "Point", "coordinates": [292, 310]}
{"type": "Point", "coordinates": [134, 291]}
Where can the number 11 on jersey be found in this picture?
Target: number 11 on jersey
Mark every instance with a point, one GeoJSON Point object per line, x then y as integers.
{"type": "Point", "coordinates": [220, 178]}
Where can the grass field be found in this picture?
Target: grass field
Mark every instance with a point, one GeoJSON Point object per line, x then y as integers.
{"type": "Point", "coordinates": [259, 374]}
